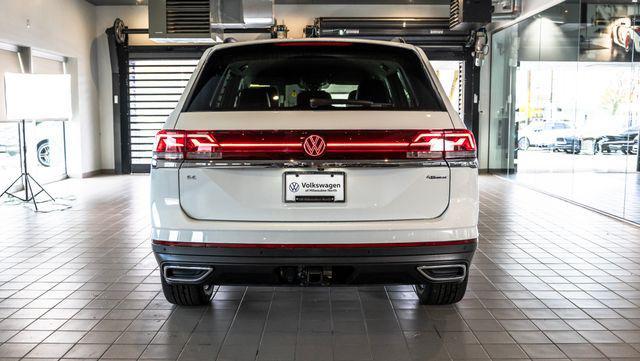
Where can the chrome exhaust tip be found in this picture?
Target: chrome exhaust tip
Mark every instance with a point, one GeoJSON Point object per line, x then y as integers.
{"type": "Point", "coordinates": [444, 273]}
{"type": "Point", "coordinates": [185, 274]}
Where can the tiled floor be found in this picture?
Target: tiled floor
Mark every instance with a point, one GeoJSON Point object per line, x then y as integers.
{"type": "Point", "coordinates": [551, 281]}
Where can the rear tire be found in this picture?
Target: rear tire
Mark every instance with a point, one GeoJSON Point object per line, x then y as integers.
{"type": "Point", "coordinates": [43, 151]}
{"type": "Point", "coordinates": [441, 293]}
{"type": "Point", "coordinates": [187, 295]}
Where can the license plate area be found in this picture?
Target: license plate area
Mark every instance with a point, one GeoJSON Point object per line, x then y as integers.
{"type": "Point", "coordinates": [314, 187]}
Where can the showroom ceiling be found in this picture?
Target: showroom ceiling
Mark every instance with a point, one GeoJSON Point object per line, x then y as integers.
{"type": "Point", "coordinates": [310, 2]}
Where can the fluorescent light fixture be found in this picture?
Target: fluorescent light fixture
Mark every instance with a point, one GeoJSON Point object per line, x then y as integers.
{"type": "Point", "coordinates": [37, 96]}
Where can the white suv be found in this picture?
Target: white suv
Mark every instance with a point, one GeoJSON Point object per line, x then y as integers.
{"type": "Point", "coordinates": [314, 162]}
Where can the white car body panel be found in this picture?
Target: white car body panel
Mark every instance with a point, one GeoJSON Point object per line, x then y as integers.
{"type": "Point", "coordinates": [171, 223]}
{"type": "Point", "coordinates": [236, 206]}
{"type": "Point", "coordinates": [371, 195]}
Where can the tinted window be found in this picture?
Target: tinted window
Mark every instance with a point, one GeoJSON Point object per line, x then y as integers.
{"type": "Point", "coordinates": [310, 76]}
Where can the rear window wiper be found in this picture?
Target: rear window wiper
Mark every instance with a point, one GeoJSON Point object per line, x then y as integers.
{"type": "Point", "coordinates": [320, 102]}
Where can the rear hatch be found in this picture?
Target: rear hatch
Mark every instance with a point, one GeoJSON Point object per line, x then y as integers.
{"type": "Point", "coordinates": [314, 132]}
{"type": "Point", "coordinates": [250, 182]}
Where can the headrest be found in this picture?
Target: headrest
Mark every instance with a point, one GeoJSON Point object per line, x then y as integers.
{"type": "Point", "coordinates": [254, 98]}
{"type": "Point", "coordinates": [304, 97]}
{"type": "Point", "coordinates": [373, 90]}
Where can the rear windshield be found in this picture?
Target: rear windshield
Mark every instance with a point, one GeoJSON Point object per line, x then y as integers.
{"type": "Point", "coordinates": [313, 76]}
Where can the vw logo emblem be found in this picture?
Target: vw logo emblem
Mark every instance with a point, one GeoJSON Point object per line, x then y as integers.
{"type": "Point", "coordinates": [314, 145]}
{"type": "Point", "coordinates": [294, 187]}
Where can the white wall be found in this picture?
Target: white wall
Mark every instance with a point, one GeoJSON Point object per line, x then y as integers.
{"type": "Point", "coordinates": [64, 27]}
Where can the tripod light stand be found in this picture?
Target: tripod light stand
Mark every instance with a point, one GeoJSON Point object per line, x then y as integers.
{"type": "Point", "coordinates": [25, 178]}
{"type": "Point", "coordinates": [37, 97]}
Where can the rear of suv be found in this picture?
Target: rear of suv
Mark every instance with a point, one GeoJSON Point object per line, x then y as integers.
{"type": "Point", "coordinates": [314, 162]}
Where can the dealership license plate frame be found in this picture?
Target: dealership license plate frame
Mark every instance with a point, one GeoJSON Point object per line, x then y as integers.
{"type": "Point", "coordinates": [343, 175]}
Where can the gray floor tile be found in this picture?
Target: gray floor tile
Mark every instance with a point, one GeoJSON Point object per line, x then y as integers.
{"type": "Point", "coordinates": [550, 281]}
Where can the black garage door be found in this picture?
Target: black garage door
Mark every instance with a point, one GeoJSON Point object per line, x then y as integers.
{"type": "Point", "coordinates": [155, 86]}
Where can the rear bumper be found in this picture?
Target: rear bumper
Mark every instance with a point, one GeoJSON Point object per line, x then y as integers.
{"type": "Point", "coordinates": [360, 264]}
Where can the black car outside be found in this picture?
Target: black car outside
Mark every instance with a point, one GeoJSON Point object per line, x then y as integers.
{"type": "Point", "coordinates": [623, 141]}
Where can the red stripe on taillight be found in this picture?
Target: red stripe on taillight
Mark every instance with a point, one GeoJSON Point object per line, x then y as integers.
{"type": "Point", "coordinates": [201, 144]}
{"type": "Point", "coordinates": [315, 245]}
{"type": "Point", "coordinates": [340, 144]}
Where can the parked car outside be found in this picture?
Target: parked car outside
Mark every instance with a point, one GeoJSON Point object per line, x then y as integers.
{"type": "Point", "coordinates": [262, 176]}
{"type": "Point", "coordinates": [622, 141]}
{"type": "Point", "coordinates": [569, 144]}
{"type": "Point", "coordinates": [544, 134]}
{"type": "Point", "coordinates": [39, 144]}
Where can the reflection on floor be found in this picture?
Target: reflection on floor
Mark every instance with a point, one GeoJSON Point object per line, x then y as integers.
{"type": "Point", "coordinates": [550, 281]}
{"type": "Point", "coordinates": [614, 193]}
{"type": "Point", "coordinates": [607, 182]}
{"type": "Point", "coordinates": [545, 161]}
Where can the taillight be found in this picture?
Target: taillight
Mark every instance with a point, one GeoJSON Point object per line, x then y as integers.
{"type": "Point", "coordinates": [338, 144]}
{"type": "Point", "coordinates": [202, 145]}
{"type": "Point", "coordinates": [427, 145]}
{"type": "Point", "coordinates": [459, 143]}
{"type": "Point", "coordinates": [180, 144]}
{"type": "Point", "coordinates": [169, 145]}
{"type": "Point", "coordinates": [447, 144]}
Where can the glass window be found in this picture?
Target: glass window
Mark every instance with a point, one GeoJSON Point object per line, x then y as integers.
{"type": "Point", "coordinates": [308, 76]}
{"type": "Point", "coordinates": [565, 104]}
{"type": "Point", "coordinates": [9, 145]}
